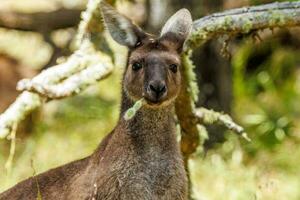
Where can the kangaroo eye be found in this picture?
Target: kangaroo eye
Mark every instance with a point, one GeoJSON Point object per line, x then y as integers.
{"type": "Point", "coordinates": [173, 68]}
{"type": "Point", "coordinates": [136, 66]}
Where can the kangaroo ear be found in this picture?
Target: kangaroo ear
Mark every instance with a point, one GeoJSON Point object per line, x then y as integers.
{"type": "Point", "coordinates": [177, 28]}
{"type": "Point", "coordinates": [120, 27]}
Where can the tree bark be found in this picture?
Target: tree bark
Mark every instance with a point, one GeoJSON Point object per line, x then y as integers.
{"type": "Point", "coordinates": [40, 21]}
{"type": "Point", "coordinates": [243, 21]}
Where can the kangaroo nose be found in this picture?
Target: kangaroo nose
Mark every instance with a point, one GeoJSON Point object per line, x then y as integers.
{"type": "Point", "coordinates": [157, 89]}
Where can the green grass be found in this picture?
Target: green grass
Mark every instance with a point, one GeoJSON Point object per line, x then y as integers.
{"type": "Point", "coordinates": [227, 173]}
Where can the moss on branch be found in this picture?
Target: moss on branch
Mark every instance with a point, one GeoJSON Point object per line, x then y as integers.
{"type": "Point", "coordinates": [208, 117]}
{"type": "Point", "coordinates": [85, 67]}
{"type": "Point", "coordinates": [231, 22]}
{"type": "Point", "coordinates": [244, 20]}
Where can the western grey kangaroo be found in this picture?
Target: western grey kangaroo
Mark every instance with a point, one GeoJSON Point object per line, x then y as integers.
{"type": "Point", "coordinates": [140, 159]}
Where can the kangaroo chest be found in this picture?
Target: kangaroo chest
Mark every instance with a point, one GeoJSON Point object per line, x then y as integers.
{"type": "Point", "coordinates": [142, 172]}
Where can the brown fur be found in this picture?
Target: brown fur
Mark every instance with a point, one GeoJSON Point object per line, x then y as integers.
{"type": "Point", "coordinates": [140, 159]}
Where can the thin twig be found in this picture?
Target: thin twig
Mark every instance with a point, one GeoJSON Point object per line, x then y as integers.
{"type": "Point", "coordinates": [8, 164]}
{"type": "Point", "coordinates": [206, 116]}
{"type": "Point", "coordinates": [39, 195]}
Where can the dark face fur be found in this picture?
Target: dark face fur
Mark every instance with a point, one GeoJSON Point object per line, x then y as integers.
{"type": "Point", "coordinates": [153, 72]}
{"type": "Point", "coordinates": [153, 68]}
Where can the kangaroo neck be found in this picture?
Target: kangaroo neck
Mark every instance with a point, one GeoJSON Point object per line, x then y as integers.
{"type": "Point", "coordinates": [148, 121]}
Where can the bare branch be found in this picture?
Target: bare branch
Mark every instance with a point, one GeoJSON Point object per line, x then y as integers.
{"type": "Point", "coordinates": [39, 21]}
{"type": "Point", "coordinates": [53, 20]}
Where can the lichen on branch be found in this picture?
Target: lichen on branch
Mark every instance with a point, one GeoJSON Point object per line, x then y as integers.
{"type": "Point", "coordinates": [24, 104]}
{"type": "Point", "coordinates": [83, 68]}
{"type": "Point", "coordinates": [208, 117]}
{"type": "Point", "coordinates": [244, 20]}
{"type": "Point", "coordinates": [89, 69]}
{"type": "Point", "coordinates": [232, 22]}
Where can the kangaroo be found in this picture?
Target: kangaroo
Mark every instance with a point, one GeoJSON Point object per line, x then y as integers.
{"type": "Point", "coordinates": [140, 159]}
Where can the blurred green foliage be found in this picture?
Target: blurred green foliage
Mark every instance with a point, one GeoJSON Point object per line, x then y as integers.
{"type": "Point", "coordinates": [265, 79]}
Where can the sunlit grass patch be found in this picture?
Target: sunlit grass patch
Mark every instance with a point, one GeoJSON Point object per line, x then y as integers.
{"type": "Point", "coordinates": [229, 174]}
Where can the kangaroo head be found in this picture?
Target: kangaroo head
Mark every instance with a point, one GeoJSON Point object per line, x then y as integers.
{"type": "Point", "coordinates": [154, 62]}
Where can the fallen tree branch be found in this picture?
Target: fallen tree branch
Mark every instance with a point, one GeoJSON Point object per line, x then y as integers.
{"type": "Point", "coordinates": [231, 22]}
{"type": "Point", "coordinates": [81, 70]}
{"type": "Point", "coordinates": [244, 20]}
{"type": "Point", "coordinates": [188, 96]}
{"type": "Point", "coordinates": [24, 104]}
{"type": "Point", "coordinates": [72, 69]}
{"type": "Point", "coordinates": [97, 69]}
{"type": "Point", "coordinates": [184, 106]}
